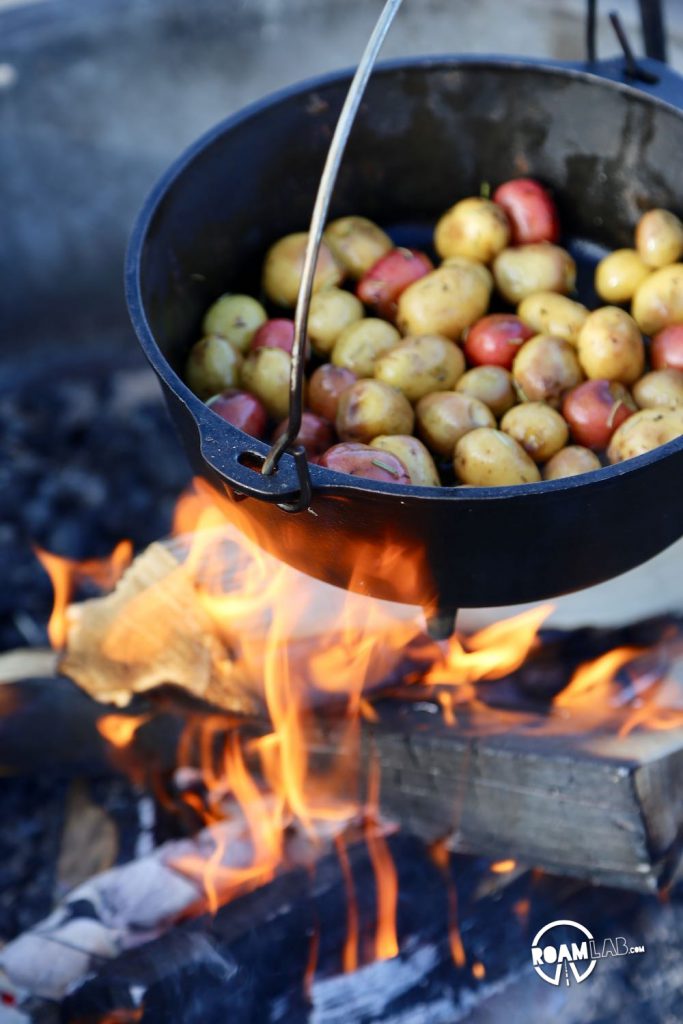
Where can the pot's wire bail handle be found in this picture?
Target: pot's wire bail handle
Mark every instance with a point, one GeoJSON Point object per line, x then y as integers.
{"type": "Point", "coordinates": [315, 233]}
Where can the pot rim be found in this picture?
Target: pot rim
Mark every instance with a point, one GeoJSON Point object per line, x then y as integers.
{"type": "Point", "coordinates": [325, 480]}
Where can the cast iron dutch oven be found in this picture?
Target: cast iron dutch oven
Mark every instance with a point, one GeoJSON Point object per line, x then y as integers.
{"type": "Point", "coordinates": [429, 131]}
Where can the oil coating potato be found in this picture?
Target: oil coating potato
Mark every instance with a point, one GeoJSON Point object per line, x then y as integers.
{"type": "Point", "coordinates": [475, 228]}
{"type": "Point", "coordinates": [284, 264]}
{"type": "Point", "coordinates": [331, 311]}
{"type": "Point", "coordinates": [413, 455]}
{"type": "Point", "coordinates": [550, 313]}
{"type": "Point", "coordinates": [444, 302]}
{"type": "Point", "coordinates": [357, 243]}
{"type": "Point", "coordinates": [540, 430]}
{"type": "Point", "coordinates": [361, 344]}
{"type": "Point", "coordinates": [544, 368]}
{"type": "Point", "coordinates": [490, 458]}
{"type": "Point", "coordinates": [446, 416]}
{"type": "Point", "coordinates": [618, 275]}
{"type": "Point", "coordinates": [660, 388]}
{"type": "Point", "coordinates": [658, 301]}
{"type": "Point", "coordinates": [659, 238]}
{"type": "Point", "coordinates": [540, 267]}
{"type": "Point", "coordinates": [610, 346]}
{"type": "Point", "coordinates": [491, 385]}
{"type": "Point", "coordinates": [212, 366]}
{"type": "Point", "coordinates": [418, 366]}
{"type": "Point", "coordinates": [235, 318]}
{"type": "Point", "coordinates": [644, 431]}
{"type": "Point", "coordinates": [571, 461]}
{"type": "Point", "coordinates": [370, 408]}
{"type": "Point", "coordinates": [266, 374]}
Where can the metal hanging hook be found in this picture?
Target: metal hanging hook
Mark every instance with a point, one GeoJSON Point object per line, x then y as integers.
{"type": "Point", "coordinates": [315, 233]}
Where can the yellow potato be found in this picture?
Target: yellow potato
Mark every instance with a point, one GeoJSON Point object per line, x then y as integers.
{"type": "Point", "coordinates": [284, 265]}
{"type": "Point", "coordinates": [445, 416]}
{"type": "Point", "coordinates": [659, 388]}
{"type": "Point", "coordinates": [235, 318]}
{"type": "Point", "coordinates": [370, 408]}
{"type": "Point", "coordinates": [475, 228]}
{"type": "Point", "coordinates": [360, 345]}
{"type": "Point", "coordinates": [331, 311]}
{"type": "Point", "coordinates": [644, 431]}
{"type": "Point", "coordinates": [266, 374]}
{"type": "Point", "coordinates": [571, 461]}
{"type": "Point", "coordinates": [544, 368]}
{"type": "Point", "coordinates": [550, 313]}
{"type": "Point", "coordinates": [482, 272]}
{"type": "Point", "coordinates": [618, 275]}
{"type": "Point", "coordinates": [540, 430]}
{"type": "Point", "coordinates": [413, 455]}
{"type": "Point", "coordinates": [212, 366]}
{"type": "Point", "coordinates": [659, 238]}
{"type": "Point", "coordinates": [658, 301]}
{"type": "Point", "coordinates": [610, 346]}
{"type": "Point", "coordinates": [418, 366]}
{"type": "Point", "coordinates": [491, 385]}
{"type": "Point", "coordinates": [490, 458]}
{"type": "Point", "coordinates": [538, 267]}
{"type": "Point", "coordinates": [357, 243]}
{"type": "Point", "coordinates": [445, 301]}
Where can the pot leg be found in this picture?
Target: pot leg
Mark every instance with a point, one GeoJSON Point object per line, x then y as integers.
{"type": "Point", "coordinates": [441, 623]}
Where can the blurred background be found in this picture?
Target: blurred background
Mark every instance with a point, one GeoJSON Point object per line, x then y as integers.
{"type": "Point", "coordinates": [96, 98]}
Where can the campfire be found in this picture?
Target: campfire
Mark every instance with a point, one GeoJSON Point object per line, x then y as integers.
{"type": "Point", "coordinates": [323, 760]}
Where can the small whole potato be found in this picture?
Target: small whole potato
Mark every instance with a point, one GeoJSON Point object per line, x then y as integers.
{"type": "Point", "coordinates": [445, 302]}
{"type": "Point", "coordinates": [618, 275]}
{"type": "Point", "coordinates": [475, 228]}
{"type": "Point", "coordinates": [490, 458]}
{"type": "Point", "coordinates": [658, 301]}
{"type": "Point", "coordinates": [544, 368]}
{"type": "Point", "coordinates": [243, 410]}
{"type": "Point", "coordinates": [644, 431]}
{"type": "Point", "coordinates": [284, 265]}
{"type": "Point", "coordinates": [540, 267]}
{"type": "Point", "coordinates": [540, 430]}
{"type": "Point", "coordinates": [357, 243]}
{"type": "Point", "coordinates": [666, 349]}
{"type": "Point", "coordinates": [550, 313]}
{"type": "Point", "coordinates": [610, 346]}
{"type": "Point", "coordinates": [381, 287]}
{"type": "Point", "coordinates": [419, 366]}
{"type": "Point", "coordinates": [212, 366]}
{"type": "Point", "coordinates": [445, 416]}
{"type": "Point", "coordinates": [492, 385]}
{"type": "Point", "coordinates": [332, 310]}
{"type": "Point", "coordinates": [327, 383]}
{"type": "Point", "coordinates": [571, 461]}
{"type": "Point", "coordinates": [413, 455]}
{"type": "Point", "coordinates": [278, 333]}
{"type": "Point", "coordinates": [265, 373]}
{"type": "Point", "coordinates": [316, 435]}
{"type": "Point", "coordinates": [360, 345]}
{"type": "Point", "coordinates": [595, 409]}
{"type": "Point", "coordinates": [370, 408]}
{"type": "Point", "coordinates": [530, 209]}
{"type": "Point", "coordinates": [496, 339]}
{"type": "Point", "coordinates": [361, 460]}
{"type": "Point", "coordinates": [659, 238]}
{"type": "Point", "coordinates": [659, 388]}
{"type": "Point", "coordinates": [235, 318]}
{"type": "Point", "coordinates": [482, 272]}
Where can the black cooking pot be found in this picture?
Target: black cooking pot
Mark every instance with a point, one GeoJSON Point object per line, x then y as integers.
{"type": "Point", "coordinates": [429, 131]}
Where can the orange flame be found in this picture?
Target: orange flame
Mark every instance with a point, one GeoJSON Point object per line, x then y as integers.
{"type": "Point", "coordinates": [503, 867]}
{"type": "Point", "coordinates": [386, 878]}
{"type": "Point", "coordinates": [350, 950]}
{"type": "Point", "coordinates": [478, 971]}
{"type": "Point", "coordinates": [591, 679]}
{"type": "Point", "coordinates": [441, 856]}
{"type": "Point", "coordinates": [66, 574]}
{"type": "Point", "coordinates": [119, 730]}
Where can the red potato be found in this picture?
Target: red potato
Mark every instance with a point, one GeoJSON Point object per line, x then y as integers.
{"type": "Point", "coordinates": [277, 333]}
{"type": "Point", "coordinates": [666, 349]}
{"type": "Point", "coordinates": [382, 285]}
{"type": "Point", "coordinates": [241, 409]}
{"type": "Point", "coordinates": [315, 433]}
{"type": "Point", "coordinates": [361, 460]}
{"type": "Point", "coordinates": [595, 409]}
{"type": "Point", "coordinates": [325, 388]}
{"type": "Point", "coordinates": [495, 340]}
{"type": "Point", "coordinates": [531, 211]}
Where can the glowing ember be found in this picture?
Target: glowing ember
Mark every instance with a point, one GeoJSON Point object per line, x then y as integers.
{"type": "Point", "coordinates": [478, 971]}
{"type": "Point", "coordinates": [119, 730]}
{"type": "Point", "coordinates": [503, 867]}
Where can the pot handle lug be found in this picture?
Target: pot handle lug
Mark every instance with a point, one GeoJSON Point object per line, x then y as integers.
{"type": "Point", "coordinates": [289, 487]}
